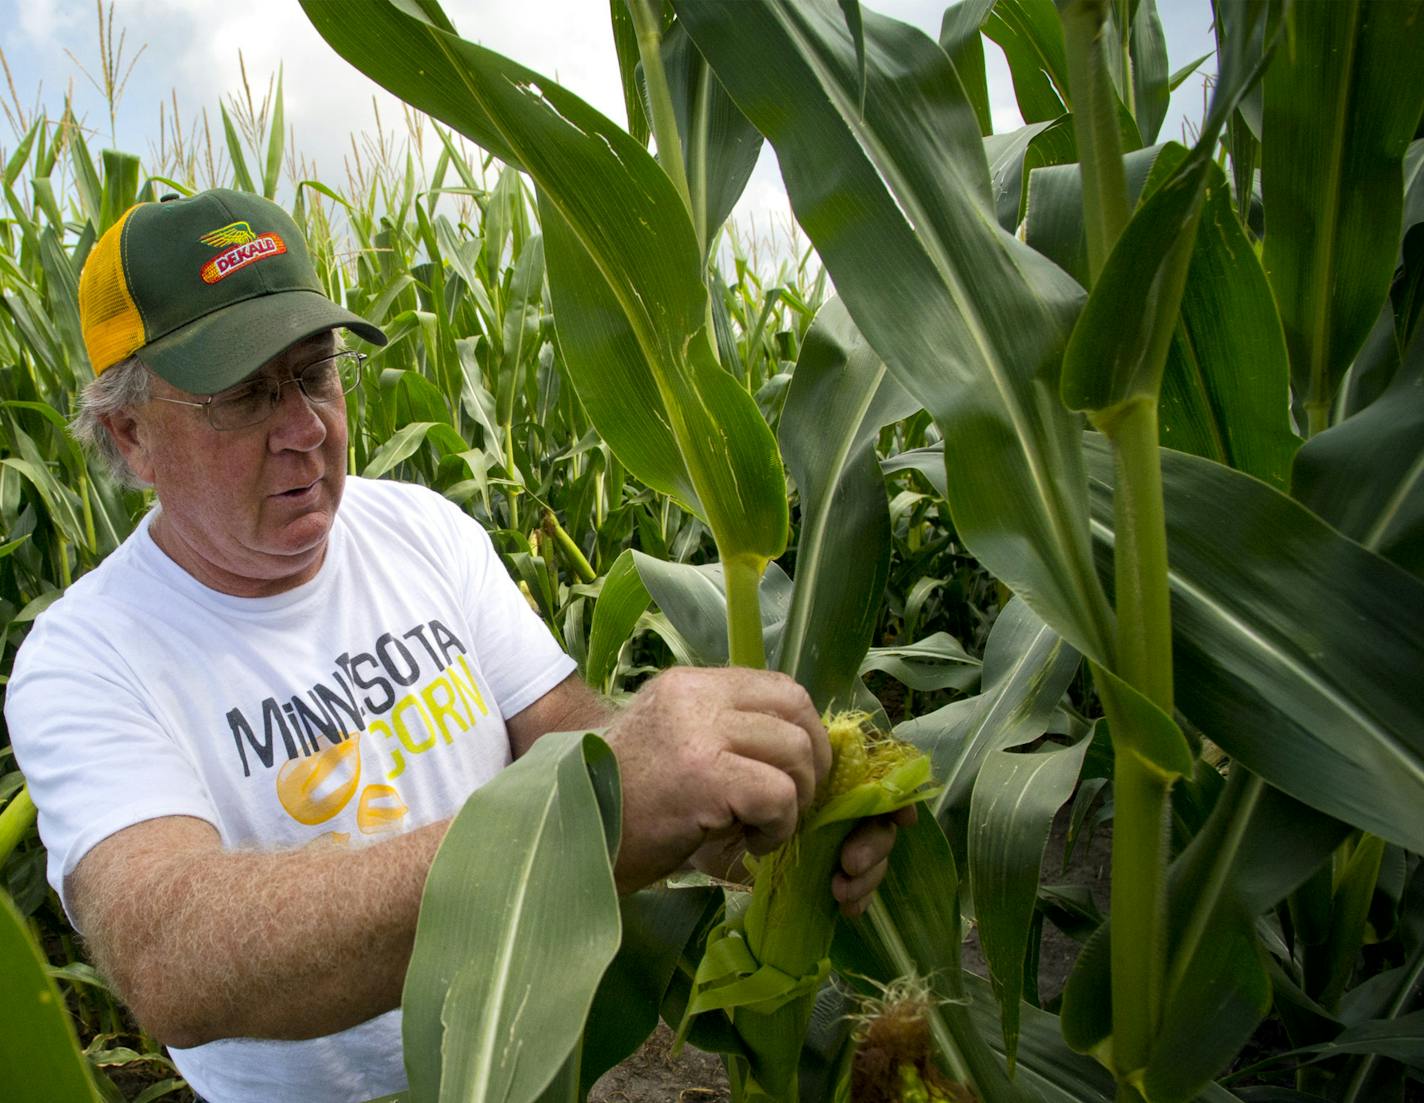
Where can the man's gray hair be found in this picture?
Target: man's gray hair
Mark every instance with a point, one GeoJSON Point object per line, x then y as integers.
{"type": "Point", "coordinates": [121, 387]}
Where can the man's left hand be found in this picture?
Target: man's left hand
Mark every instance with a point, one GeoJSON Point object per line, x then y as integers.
{"type": "Point", "coordinates": [865, 857]}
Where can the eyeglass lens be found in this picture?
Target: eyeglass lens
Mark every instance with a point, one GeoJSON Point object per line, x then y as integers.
{"type": "Point", "coordinates": [321, 381]}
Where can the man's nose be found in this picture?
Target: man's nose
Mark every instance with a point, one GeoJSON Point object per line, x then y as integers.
{"type": "Point", "coordinates": [296, 422]}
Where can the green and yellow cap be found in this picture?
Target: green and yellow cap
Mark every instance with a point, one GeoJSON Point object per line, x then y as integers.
{"type": "Point", "coordinates": [204, 290]}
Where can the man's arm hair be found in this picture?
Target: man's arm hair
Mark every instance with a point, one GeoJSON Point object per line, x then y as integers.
{"type": "Point", "coordinates": [569, 706]}
{"type": "Point", "coordinates": [205, 943]}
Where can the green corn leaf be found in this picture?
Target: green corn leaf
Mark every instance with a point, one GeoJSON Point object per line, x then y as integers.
{"type": "Point", "coordinates": [17, 160]}
{"type": "Point", "coordinates": [522, 313]}
{"type": "Point", "coordinates": [1027, 668]}
{"type": "Point", "coordinates": [470, 1031]}
{"type": "Point", "coordinates": [1119, 346]}
{"type": "Point", "coordinates": [242, 179]}
{"type": "Point", "coordinates": [719, 145]}
{"type": "Point", "coordinates": [1016, 797]}
{"type": "Point", "coordinates": [1366, 475]}
{"type": "Point", "coordinates": [58, 499]}
{"type": "Point", "coordinates": [969, 320]}
{"type": "Point", "coordinates": [959, 38]}
{"type": "Point", "coordinates": [276, 140]}
{"type": "Point", "coordinates": [938, 661]}
{"type": "Point", "coordinates": [86, 175]}
{"type": "Point", "coordinates": [625, 42]}
{"type": "Point", "coordinates": [1053, 209]}
{"type": "Point", "coordinates": [1227, 377]}
{"type": "Point", "coordinates": [1054, 144]}
{"type": "Point", "coordinates": [40, 1061]}
{"type": "Point", "coordinates": [62, 284]}
{"type": "Point", "coordinates": [1341, 106]}
{"type": "Point", "coordinates": [1275, 658]}
{"type": "Point", "coordinates": [657, 927]}
{"type": "Point", "coordinates": [1031, 36]}
{"type": "Point", "coordinates": [621, 601]}
{"type": "Point", "coordinates": [1047, 1070]}
{"type": "Point", "coordinates": [406, 441]}
{"type": "Point", "coordinates": [694, 599]}
{"type": "Point", "coordinates": [609, 369]}
{"type": "Point", "coordinates": [121, 176]}
{"type": "Point", "coordinates": [630, 229]}
{"type": "Point", "coordinates": [1150, 79]}
{"type": "Point", "coordinates": [840, 396]}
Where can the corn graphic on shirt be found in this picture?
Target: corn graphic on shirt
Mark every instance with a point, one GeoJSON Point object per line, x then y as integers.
{"type": "Point", "coordinates": [369, 701]}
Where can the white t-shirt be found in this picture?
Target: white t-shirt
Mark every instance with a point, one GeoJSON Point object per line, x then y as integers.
{"type": "Point", "coordinates": [368, 701]}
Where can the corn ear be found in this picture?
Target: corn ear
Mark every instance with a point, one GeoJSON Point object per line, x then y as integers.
{"type": "Point", "coordinates": [764, 964]}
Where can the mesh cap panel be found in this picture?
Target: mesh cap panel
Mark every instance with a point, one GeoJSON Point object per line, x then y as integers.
{"type": "Point", "coordinates": [113, 327]}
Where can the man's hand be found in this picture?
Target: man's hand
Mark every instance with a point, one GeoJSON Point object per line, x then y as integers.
{"type": "Point", "coordinates": [864, 859]}
{"type": "Point", "coordinates": [709, 755]}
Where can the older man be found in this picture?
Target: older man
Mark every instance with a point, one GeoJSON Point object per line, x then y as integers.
{"type": "Point", "coordinates": [247, 729]}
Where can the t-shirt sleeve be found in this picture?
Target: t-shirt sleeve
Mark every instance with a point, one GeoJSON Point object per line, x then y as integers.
{"type": "Point", "coordinates": [520, 657]}
{"type": "Point", "coordinates": [93, 755]}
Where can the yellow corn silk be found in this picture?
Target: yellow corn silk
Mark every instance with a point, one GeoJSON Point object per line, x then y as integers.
{"type": "Point", "coordinates": [765, 962]}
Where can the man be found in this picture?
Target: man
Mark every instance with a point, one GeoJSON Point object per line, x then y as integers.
{"type": "Point", "coordinates": [247, 729]}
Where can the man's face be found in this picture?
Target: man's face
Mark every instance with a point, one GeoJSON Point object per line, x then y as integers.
{"type": "Point", "coordinates": [247, 511]}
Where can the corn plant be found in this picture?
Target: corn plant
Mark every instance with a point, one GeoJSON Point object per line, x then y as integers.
{"type": "Point", "coordinates": [1124, 310]}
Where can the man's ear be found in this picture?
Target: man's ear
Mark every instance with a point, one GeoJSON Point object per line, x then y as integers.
{"type": "Point", "coordinates": [130, 436]}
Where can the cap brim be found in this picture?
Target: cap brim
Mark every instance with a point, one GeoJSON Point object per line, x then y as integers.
{"type": "Point", "coordinates": [226, 346]}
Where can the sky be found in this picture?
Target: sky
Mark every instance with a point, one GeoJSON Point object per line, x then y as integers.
{"type": "Point", "coordinates": [190, 49]}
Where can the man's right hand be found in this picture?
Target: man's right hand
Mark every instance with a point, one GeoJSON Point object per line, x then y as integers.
{"type": "Point", "coordinates": [713, 754]}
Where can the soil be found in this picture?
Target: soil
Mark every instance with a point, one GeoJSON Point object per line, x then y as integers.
{"type": "Point", "coordinates": [655, 1075]}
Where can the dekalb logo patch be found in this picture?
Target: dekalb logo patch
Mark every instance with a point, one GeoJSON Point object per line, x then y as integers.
{"type": "Point", "coordinates": [244, 248]}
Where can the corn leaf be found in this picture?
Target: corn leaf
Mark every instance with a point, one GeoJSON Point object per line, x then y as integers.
{"type": "Point", "coordinates": [657, 925]}
{"type": "Point", "coordinates": [242, 179]}
{"type": "Point", "coordinates": [40, 1061]}
{"type": "Point", "coordinates": [1341, 106]}
{"type": "Point", "coordinates": [625, 42]}
{"type": "Point", "coordinates": [276, 140]}
{"type": "Point", "coordinates": [1274, 658]}
{"type": "Point", "coordinates": [719, 145]}
{"type": "Point", "coordinates": [497, 923]}
{"type": "Point", "coordinates": [1027, 668]}
{"type": "Point", "coordinates": [121, 176]}
{"type": "Point", "coordinates": [970, 321]}
{"type": "Point", "coordinates": [1015, 799]}
{"type": "Point", "coordinates": [1226, 377]}
{"type": "Point", "coordinates": [1014, 156]}
{"type": "Point", "coordinates": [959, 38]}
{"type": "Point", "coordinates": [1031, 36]}
{"type": "Point", "coordinates": [694, 600]}
{"type": "Point", "coordinates": [621, 601]}
{"type": "Point", "coordinates": [1366, 474]}
{"type": "Point", "coordinates": [630, 231]}
{"type": "Point", "coordinates": [840, 396]}
{"type": "Point", "coordinates": [1148, 50]}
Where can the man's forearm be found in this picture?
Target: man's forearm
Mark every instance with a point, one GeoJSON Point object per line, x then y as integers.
{"type": "Point", "coordinates": [291, 945]}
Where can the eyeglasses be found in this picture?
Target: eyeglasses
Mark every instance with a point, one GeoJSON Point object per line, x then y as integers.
{"type": "Point", "coordinates": [250, 404]}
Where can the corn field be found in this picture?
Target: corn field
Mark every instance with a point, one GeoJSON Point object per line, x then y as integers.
{"type": "Point", "coordinates": [1087, 467]}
